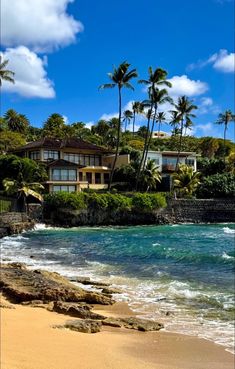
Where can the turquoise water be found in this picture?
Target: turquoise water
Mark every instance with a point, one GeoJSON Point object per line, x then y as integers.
{"type": "Point", "coordinates": [182, 275]}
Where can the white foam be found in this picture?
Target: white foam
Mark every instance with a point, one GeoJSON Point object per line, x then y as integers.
{"type": "Point", "coordinates": [228, 230]}
{"type": "Point", "coordinates": [226, 256]}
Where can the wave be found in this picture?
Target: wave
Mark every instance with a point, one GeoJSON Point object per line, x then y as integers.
{"type": "Point", "coordinates": [228, 230]}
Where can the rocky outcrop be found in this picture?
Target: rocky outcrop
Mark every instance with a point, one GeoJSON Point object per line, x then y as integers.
{"type": "Point", "coordinates": [43, 289]}
{"type": "Point", "coordinates": [14, 223]}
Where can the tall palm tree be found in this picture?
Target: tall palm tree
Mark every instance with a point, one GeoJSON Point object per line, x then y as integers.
{"type": "Point", "coordinates": [186, 180]}
{"type": "Point", "coordinates": [156, 78]}
{"type": "Point", "coordinates": [137, 108]}
{"type": "Point", "coordinates": [150, 176]}
{"type": "Point", "coordinates": [120, 77]}
{"type": "Point", "coordinates": [174, 122]}
{"type": "Point", "coordinates": [225, 118]}
{"type": "Point", "coordinates": [16, 122]}
{"type": "Point", "coordinates": [5, 74]}
{"type": "Point", "coordinates": [160, 118]}
{"type": "Point", "coordinates": [127, 116]}
{"type": "Point", "coordinates": [184, 108]}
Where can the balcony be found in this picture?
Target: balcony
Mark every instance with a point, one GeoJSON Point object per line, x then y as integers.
{"type": "Point", "coordinates": [168, 167]}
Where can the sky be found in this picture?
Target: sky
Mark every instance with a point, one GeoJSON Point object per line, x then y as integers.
{"type": "Point", "coordinates": [62, 50]}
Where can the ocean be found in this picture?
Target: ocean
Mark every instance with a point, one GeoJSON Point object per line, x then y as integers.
{"type": "Point", "coordinates": [181, 275]}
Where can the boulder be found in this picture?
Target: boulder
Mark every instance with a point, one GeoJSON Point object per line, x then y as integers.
{"type": "Point", "coordinates": [84, 326]}
{"type": "Point", "coordinates": [82, 311]}
{"type": "Point", "coordinates": [134, 323]}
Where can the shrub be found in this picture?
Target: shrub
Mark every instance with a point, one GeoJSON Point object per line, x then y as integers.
{"type": "Point", "coordinates": [65, 200]}
{"type": "Point", "coordinates": [217, 186]}
{"type": "Point", "coordinates": [148, 202]}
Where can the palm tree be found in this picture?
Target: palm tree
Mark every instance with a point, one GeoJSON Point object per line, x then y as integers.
{"type": "Point", "coordinates": [160, 118]}
{"type": "Point", "coordinates": [5, 74]}
{"type": "Point", "coordinates": [137, 108]}
{"type": "Point", "coordinates": [120, 77]}
{"type": "Point", "coordinates": [156, 78]}
{"type": "Point", "coordinates": [174, 122]}
{"type": "Point", "coordinates": [225, 118]}
{"type": "Point", "coordinates": [150, 176]}
{"type": "Point", "coordinates": [127, 116]}
{"type": "Point", "coordinates": [184, 108]}
{"type": "Point", "coordinates": [16, 122]}
{"type": "Point", "coordinates": [186, 180]}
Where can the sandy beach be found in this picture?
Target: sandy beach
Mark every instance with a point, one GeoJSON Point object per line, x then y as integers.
{"type": "Point", "coordinates": [28, 341]}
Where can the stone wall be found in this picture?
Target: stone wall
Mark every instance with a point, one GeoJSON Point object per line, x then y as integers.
{"type": "Point", "coordinates": [13, 222]}
{"type": "Point", "coordinates": [200, 210]}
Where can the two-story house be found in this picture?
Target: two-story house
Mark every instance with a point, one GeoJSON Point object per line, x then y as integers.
{"type": "Point", "coordinates": [73, 164]}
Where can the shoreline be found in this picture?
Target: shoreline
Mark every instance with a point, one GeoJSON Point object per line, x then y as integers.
{"type": "Point", "coordinates": [30, 342]}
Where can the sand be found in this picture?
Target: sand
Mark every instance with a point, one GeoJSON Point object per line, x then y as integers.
{"type": "Point", "coordinates": [28, 341]}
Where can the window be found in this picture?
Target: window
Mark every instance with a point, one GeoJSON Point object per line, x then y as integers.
{"type": "Point", "coordinates": [87, 160]}
{"type": "Point", "coordinates": [50, 155]}
{"type": "Point", "coordinates": [189, 162]}
{"type": "Point", "coordinates": [169, 161]}
{"type": "Point", "coordinates": [35, 155]}
{"type": "Point", "coordinates": [106, 178]}
{"type": "Point", "coordinates": [80, 176]}
{"type": "Point", "coordinates": [98, 178]}
{"type": "Point", "coordinates": [64, 174]}
{"type": "Point", "coordinates": [64, 188]}
{"type": "Point", "coordinates": [89, 177]}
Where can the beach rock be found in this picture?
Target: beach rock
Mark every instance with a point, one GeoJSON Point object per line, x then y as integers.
{"type": "Point", "coordinates": [134, 323]}
{"type": "Point", "coordinates": [84, 326]}
{"type": "Point", "coordinates": [21, 284]}
{"type": "Point", "coordinates": [87, 281]}
{"type": "Point", "coordinates": [82, 311]}
{"type": "Point", "coordinates": [110, 291]}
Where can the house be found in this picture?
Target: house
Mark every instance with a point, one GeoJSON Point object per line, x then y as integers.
{"type": "Point", "coordinates": [160, 134]}
{"type": "Point", "coordinates": [72, 163]}
{"type": "Point", "coordinates": [166, 163]}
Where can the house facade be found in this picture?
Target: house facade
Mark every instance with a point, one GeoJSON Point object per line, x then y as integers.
{"type": "Point", "coordinates": [73, 164]}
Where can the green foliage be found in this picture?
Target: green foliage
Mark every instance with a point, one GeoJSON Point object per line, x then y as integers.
{"type": "Point", "coordinates": [106, 201]}
{"type": "Point", "coordinates": [147, 202]}
{"type": "Point", "coordinates": [217, 186]}
{"type": "Point", "coordinates": [65, 200]}
{"type": "Point", "coordinates": [5, 205]}
{"type": "Point", "coordinates": [10, 140]}
{"type": "Point", "coordinates": [21, 169]}
{"type": "Point", "coordinates": [186, 181]}
{"type": "Point", "coordinates": [209, 167]}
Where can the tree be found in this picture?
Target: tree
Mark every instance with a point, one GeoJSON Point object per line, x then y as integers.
{"type": "Point", "coordinates": [156, 78]}
{"type": "Point", "coordinates": [127, 116]}
{"type": "Point", "coordinates": [5, 74]}
{"type": "Point", "coordinates": [225, 118]}
{"type": "Point", "coordinates": [137, 108]}
{"type": "Point", "coordinates": [10, 140]}
{"type": "Point", "coordinates": [120, 78]}
{"type": "Point", "coordinates": [16, 122]}
{"type": "Point", "coordinates": [54, 125]}
{"type": "Point", "coordinates": [184, 108]}
{"type": "Point", "coordinates": [160, 118]}
{"type": "Point", "coordinates": [174, 122]}
{"type": "Point", "coordinates": [186, 180]}
{"type": "Point", "coordinates": [23, 189]}
{"type": "Point", "coordinates": [150, 176]}
{"type": "Point", "coordinates": [217, 186]}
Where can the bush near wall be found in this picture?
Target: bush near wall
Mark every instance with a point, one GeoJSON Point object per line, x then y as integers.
{"type": "Point", "coordinates": [108, 201]}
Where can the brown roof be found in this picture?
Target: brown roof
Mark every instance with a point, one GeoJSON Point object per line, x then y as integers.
{"type": "Point", "coordinates": [58, 143]}
{"type": "Point", "coordinates": [64, 163]}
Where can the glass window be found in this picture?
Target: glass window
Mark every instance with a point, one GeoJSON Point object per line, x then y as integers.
{"type": "Point", "coordinates": [35, 155]}
{"type": "Point", "coordinates": [97, 160]}
{"type": "Point", "coordinates": [50, 155]}
{"type": "Point", "coordinates": [106, 178]}
{"type": "Point", "coordinates": [97, 178]}
{"type": "Point", "coordinates": [64, 174]}
{"type": "Point", "coordinates": [64, 188]}
{"type": "Point", "coordinates": [89, 177]}
{"type": "Point", "coordinates": [189, 162]}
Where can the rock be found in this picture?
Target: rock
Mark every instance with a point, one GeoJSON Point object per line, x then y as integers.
{"type": "Point", "coordinates": [110, 291]}
{"type": "Point", "coordinates": [21, 284]}
{"type": "Point", "coordinates": [87, 281]}
{"type": "Point", "coordinates": [85, 326]}
{"type": "Point", "coordinates": [134, 323]}
{"type": "Point", "coordinates": [82, 311]}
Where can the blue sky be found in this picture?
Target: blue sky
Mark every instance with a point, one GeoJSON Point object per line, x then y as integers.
{"type": "Point", "coordinates": [61, 52]}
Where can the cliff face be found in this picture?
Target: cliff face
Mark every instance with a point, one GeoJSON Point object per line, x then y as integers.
{"type": "Point", "coordinates": [177, 211]}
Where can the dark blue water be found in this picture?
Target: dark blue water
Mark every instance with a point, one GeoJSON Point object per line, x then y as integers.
{"type": "Point", "coordinates": [183, 275]}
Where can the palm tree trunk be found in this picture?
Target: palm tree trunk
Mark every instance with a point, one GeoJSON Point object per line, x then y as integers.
{"type": "Point", "coordinates": [118, 136]}
{"type": "Point", "coordinates": [150, 137]}
{"type": "Point", "coordinates": [180, 144]}
{"type": "Point", "coordinates": [144, 150]}
{"type": "Point", "coordinates": [133, 124]}
{"type": "Point", "coordinates": [225, 129]}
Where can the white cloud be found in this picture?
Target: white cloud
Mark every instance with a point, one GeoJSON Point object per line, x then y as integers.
{"type": "Point", "coordinates": [89, 124]}
{"type": "Point", "coordinates": [206, 129]}
{"type": "Point", "coordinates": [30, 75]}
{"type": "Point", "coordinates": [223, 61]}
{"type": "Point", "coordinates": [182, 85]}
{"type": "Point", "coordinates": [206, 106]}
{"type": "Point", "coordinates": [108, 116]}
{"type": "Point", "coordinates": [38, 24]}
